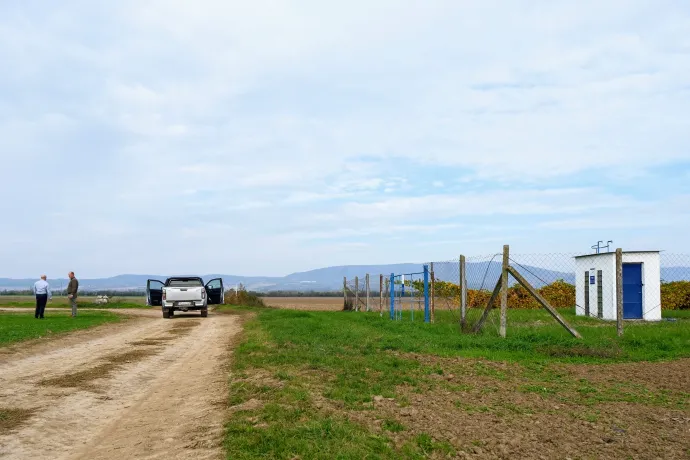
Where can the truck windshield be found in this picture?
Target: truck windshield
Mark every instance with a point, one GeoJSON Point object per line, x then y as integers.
{"type": "Point", "coordinates": [184, 282]}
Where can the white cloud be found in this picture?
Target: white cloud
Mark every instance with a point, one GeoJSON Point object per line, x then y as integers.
{"type": "Point", "coordinates": [161, 120]}
{"type": "Point", "coordinates": [501, 203]}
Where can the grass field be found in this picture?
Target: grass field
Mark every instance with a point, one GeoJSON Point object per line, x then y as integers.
{"type": "Point", "coordinates": [16, 327]}
{"type": "Point", "coordinates": [82, 302]}
{"type": "Point", "coordinates": [308, 384]}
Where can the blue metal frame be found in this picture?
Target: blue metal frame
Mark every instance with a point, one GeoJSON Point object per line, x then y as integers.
{"type": "Point", "coordinates": [392, 295]}
{"type": "Point", "coordinates": [427, 312]}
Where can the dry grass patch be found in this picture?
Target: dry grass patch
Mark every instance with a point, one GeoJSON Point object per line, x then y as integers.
{"type": "Point", "coordinates": [12, 418]}
{"type": "Point", "coordinates": [185, 324]}
{"type": "Point", "coordinates": [183, 328]}
{"type": "Point", "coordinates": [151, 341]}
{"type": "Point", "coordinates": [130, 356]}
{"type": "Point", "coordinates": [84, 378]}
{"type": "Point", "coordinates": [80, 378]}
{"type": "Point", "coordinates": [180, 332]}
{"type": "Point", "coordinates": [146, 342]}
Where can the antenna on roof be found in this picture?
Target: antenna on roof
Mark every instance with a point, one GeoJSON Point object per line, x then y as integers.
{"type": "Point", "coordinates": [598, 247]}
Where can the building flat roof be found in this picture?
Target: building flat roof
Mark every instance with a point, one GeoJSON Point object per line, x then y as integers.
{"type": "Point", "coordinates": [613, 253]}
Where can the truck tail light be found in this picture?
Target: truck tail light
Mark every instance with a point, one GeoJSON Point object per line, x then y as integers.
{"type": "Point", "coordinates": [203, 294]}
{"type": "Point", "coordinates": [163, 295]}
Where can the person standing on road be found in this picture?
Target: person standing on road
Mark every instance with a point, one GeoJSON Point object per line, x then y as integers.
{"type": "Point", "coordinates": [72, 289]}
{"type": "Point", "coordinates": [43, 294]}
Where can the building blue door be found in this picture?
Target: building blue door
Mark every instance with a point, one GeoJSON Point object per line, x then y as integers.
{"type": "Point", "coordinates": [632, 291]}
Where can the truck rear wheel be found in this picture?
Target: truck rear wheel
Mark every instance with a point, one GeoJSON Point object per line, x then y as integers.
{"type": "Point", "coordinates": [166, 313]}
{"type": "Point", "coordinates": [204, 313]}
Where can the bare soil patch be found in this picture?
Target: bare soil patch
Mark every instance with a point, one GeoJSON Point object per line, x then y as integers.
{"type": "Point", "coordinates": [668, 375]}
{"type": "Point", "coordinates": [305, 303]}
{"type": "Point", "coordinates": [487, 409]}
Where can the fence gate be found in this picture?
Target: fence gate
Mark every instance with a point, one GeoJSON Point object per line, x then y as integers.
{"type": "Point", "coordinates": [409, 292]}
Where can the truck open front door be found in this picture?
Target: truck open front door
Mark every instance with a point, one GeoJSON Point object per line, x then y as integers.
{"type": "Point", "coordinates": [154, 293]}
{"type": "Point", "coordinates": [215, 291]}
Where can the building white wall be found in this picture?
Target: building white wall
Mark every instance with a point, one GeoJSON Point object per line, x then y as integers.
{"type": "Point", "coordinates": [606, 262]}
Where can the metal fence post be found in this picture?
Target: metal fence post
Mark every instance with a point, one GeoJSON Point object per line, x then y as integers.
{"type": "Point", "coordinates": [426, 294]}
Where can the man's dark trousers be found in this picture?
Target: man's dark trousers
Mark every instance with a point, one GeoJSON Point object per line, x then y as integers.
{"type": "Point", "coordinates": [41, 301]}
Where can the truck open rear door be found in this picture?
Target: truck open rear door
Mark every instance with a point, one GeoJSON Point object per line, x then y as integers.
{"type": "Point", "coordinates": [154, 293]}
{"type": "Point", "coordinates": [215, 291]}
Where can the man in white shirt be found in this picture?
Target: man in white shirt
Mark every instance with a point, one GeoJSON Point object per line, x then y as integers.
{"type": "Point", "coordinates": [43, 294]}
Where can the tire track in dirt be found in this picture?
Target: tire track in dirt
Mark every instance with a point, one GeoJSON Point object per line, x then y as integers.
{"type": "Point", "coordinates": [151, 389]}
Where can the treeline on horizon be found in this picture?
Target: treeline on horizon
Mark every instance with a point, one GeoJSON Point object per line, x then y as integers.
{"type": "Point", "coordinates": [112, 293]}
{"type": "Point", "coordinates": [675, 295]}
{"type": "Point", "coordinates": [63, 292]}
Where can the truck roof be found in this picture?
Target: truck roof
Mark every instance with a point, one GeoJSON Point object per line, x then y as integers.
{"type": "Point", "coordinates": [184, 278]}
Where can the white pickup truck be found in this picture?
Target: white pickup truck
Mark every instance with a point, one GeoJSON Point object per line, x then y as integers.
{"type": "Point", "coordinates": [184, 293]}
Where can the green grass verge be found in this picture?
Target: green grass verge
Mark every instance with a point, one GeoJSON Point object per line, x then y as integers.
{"type": "Point", "coordinates": [304, 372]}
{"type": "Point", "coordinates": [16, 327]}
{"type": "Point", "coordinates": [82, 302]}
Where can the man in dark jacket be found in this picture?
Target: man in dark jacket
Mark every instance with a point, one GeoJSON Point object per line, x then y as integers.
{"type": "Point", "coordinates": [72, 289]}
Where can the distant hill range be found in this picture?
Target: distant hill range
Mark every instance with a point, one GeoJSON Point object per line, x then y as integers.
{"type": "Point", "coordinates": [483, 274]}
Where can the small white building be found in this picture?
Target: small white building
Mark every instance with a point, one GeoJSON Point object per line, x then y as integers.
{"type": "Point", "coordinates": [595, 284]}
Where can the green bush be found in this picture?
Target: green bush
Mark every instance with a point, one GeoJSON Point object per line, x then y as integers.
{"type": "Point", "coordinates": [243, 298]}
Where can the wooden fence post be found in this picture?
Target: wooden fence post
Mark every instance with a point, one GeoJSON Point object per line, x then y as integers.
{"type": "Point", "coordinates": [388, 294]}
{"type": "Point", "coordinates": [345, 292]}
{"type": "Point", "coordinates": [544, 303]}
{"type": "Point", "coordinates": [619, 292]}
{"type": "Point", "coordinates": [356, 293]}
{"type": "Point", "coordinates": [433, 293]}
{"type": "Point", "coordinates": [381, 295]}
{"type": "Point", "coordinates": [368, 288]}
{"type": "Point", "coordinates": [504, 289]}
{"type": "Point", "coordinates": [463, 293]}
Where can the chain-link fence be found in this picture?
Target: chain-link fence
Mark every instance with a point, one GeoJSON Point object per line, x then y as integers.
{"type": "Point", "coordinates": [357, 293]}
{"type": "Point", "coordinates": [444, 288]}
{"type": "Point", "coordinates": [367, 293]}
{"type": "Point", "coordinates": [586, 285]}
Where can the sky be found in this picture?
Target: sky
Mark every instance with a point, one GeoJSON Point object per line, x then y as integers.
{"type": "Point", "coordinates": [275, 136]}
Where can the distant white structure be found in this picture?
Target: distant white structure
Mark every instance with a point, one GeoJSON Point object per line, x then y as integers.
{"type": "Point", "coordinates": [595, 284]}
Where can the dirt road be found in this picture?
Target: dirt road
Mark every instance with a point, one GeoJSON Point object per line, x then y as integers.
{"type": "Point", "coordinates": [147, 388]}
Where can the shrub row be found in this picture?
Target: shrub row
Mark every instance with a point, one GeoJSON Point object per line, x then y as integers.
{"type": "Point", "coordinates": [242, 297]}
{"type": "Point", "coordinates": [674, 295]}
